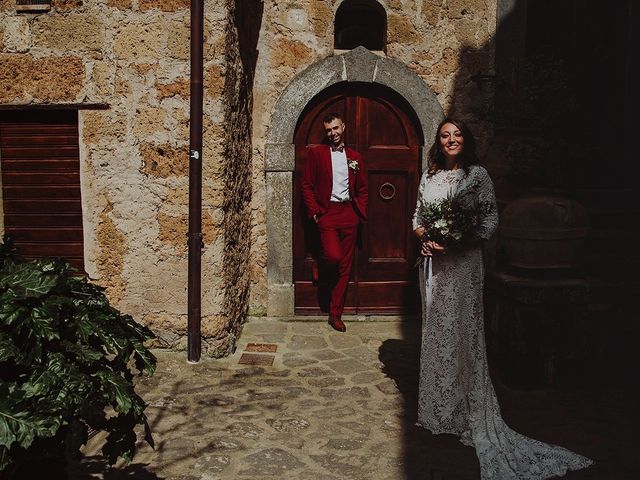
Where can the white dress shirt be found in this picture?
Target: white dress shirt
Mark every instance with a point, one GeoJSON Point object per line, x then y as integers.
{"type": "Point", "coordinates": [340, 189]}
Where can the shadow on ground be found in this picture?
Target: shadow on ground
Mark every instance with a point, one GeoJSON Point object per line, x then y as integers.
{"type": "Point", "coordinates": [97, 467]}
{"type": "Point", "coordinates": [597, 421]}
{"type": "Point", "coordinates": [426, 456]}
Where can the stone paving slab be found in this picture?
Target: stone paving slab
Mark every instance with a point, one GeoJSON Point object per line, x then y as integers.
{"type": "Point", "coordinates": [339, 405]}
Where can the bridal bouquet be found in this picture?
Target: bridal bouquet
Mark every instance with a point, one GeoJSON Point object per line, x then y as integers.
{"type": "Point", "coordinates": [452, 221]}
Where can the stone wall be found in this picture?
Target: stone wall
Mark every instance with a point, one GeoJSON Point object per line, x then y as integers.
{"type": "Point", "coordinates": [445, 42]}
{"type": "Point", "coordinates": [125, 65]}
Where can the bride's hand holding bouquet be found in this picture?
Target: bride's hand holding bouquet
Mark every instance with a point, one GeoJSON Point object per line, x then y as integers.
{"type": "Point", "coordinates": [448, 224]}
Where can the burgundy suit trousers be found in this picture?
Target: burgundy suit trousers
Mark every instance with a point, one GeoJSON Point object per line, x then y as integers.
{"type": "Point", "coordinates": [338, 229]}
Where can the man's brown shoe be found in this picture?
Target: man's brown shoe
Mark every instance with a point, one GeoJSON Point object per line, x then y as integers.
{"type": "Point", "coordinates": [337, 324]}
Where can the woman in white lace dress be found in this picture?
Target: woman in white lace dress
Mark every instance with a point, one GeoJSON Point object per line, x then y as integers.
{"type": "Point", "coordinates": [455, 391]}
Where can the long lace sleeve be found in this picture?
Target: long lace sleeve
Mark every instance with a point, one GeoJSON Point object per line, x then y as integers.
{"type": "Point", "coordinates": [417, 218]}
{"type": "Point", "coordinates": [488, 207]}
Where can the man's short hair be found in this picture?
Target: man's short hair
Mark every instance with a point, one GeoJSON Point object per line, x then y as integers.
{"type": "Point", "coordinates": [331, 116]}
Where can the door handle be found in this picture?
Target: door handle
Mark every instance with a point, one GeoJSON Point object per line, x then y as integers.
{"type": "Point", "coordinates": [387, 185]}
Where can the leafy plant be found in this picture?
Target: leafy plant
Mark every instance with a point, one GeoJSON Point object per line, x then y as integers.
{"type": "Point", "coordinates": [67, 363]}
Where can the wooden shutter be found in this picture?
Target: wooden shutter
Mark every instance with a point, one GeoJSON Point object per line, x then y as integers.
{"type": "Point", "coordinates": [41, 183]}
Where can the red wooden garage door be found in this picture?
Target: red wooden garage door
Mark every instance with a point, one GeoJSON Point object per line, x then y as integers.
{"type": "Point", "coordinates": [41, 183]}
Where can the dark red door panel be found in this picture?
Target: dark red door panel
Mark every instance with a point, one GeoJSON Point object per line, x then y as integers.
{"type": "Point", "coordinates": [383, 128]}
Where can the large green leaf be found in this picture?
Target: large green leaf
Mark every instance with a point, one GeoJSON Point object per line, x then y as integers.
{"type": "Point", "coordinates": [43, 324]}
{"type": "Point", "coordinates": [118, 390]}
{"type": "Point", "coordinates": [22, 427]}
{"type": "Point", "coordinates": [12, 312]}
{"type": "Point", "coordinates": [82, 351]}
{"type": "Point", "coordinates": [26, 280]}
{"type": "Point", "coordinates": [49, 379]}
{"type": "Point", "coordinates": [145, 360]}
{"type": "Point", "coordinates": [84, 326]}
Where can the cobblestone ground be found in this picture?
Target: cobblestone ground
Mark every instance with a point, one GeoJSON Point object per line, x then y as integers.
{"type": "Point", "coordinates": [335, 406]}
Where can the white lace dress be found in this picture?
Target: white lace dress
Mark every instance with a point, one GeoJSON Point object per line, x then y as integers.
{"type": "Point", "coordinates": [455, 391]}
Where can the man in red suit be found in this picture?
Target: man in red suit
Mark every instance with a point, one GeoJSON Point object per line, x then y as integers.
{"type": "Point", "coordinates": [334, 190]}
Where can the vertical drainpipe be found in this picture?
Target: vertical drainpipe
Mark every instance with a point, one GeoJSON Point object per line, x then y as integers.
{"type": "Point", "coordinates": [195, 184]}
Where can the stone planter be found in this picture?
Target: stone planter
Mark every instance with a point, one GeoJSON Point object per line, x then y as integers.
{"type": "Point", "coordinates": [544, 231]}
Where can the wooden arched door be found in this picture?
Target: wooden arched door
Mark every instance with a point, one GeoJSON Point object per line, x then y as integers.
{"type": "Point", "coordinates": [381, 126]}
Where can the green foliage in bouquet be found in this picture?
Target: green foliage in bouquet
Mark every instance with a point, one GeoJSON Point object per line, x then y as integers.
{"type": "Point", "coordinates": [67, 363]}
{"type": "Point", "coordinates": [452, 221]}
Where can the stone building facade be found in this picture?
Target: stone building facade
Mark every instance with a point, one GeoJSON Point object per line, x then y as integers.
{"type": "Point", "coordinates": [123, 65]}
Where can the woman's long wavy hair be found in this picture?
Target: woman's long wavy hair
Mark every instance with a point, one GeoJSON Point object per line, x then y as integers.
{"type": "Point", "coordinates": [468, 156]}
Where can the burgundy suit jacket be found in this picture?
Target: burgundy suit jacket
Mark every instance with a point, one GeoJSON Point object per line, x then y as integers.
{"type": "Point", "coordinates": [317, 181]}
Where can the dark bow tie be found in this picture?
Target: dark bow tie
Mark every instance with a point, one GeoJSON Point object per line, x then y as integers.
{"type": "Point", "coordinates": [339, 148]}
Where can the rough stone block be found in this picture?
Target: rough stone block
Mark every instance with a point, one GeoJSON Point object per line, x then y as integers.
{"type": "Point", "coordinates": [113, 247]}
{"type": "Point", "coordinates": [466, 8]}
{"type": "Point", "coordinates": [280, 157]}
{"type": "Point", "coordinates": [297, 19]}
{"type": "Point", "coordinates": [431, 11]}
{"type": "Point", "coordinates": [401, 30]}
{"type": "Point", "coordinates": [279, 223]}
{"type": "Point", "coordinates": [321, 18]}
{"type": "Point", "coordinates": [138, 41]}
{"type": "Point", "coordinates": [164, 5]}
{"type": "Point", "coordinates": [448, 64]}
{"type": "Point", "coordinates": [164, 160]}
{"type": "Point", "coordinates": [66, 5]}
{"type": "Point", "coordinates": [471, 33]}
{"type": "Point", "coordinates": [213, 80]}
{"type": "Point", "coordinates": [173, 230]}
{"type": "Point", "coordinates": [148, 121]}
{"type": "Point", "coordinates": [120, 4]}
{"type": "Point", "coordinates": [180, 87]}
{"type": "Point", "coordinates": [280, 301]}
{"type": "Point", "coordinates": [360, 65]}
{"type": "Point", "coordinates": [16, 34]}
{"type": "Point", "coordinates": [106, 126]}
{"type": "Point", "coordinates": [290, 53]}
{"type": "Point", "coordinates": [178, 41]}
{"type": "Point", "coordinates": [46, 79]}
{"type": "Point", "coordinates": [214, 325]}
{"type": "Point", "coordinates": [103, 77]}
{"type": "Point", "coordinates": [69, 33]}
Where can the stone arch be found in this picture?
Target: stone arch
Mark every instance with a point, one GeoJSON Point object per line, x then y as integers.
{"type": "Point", "coordinates": [358, 65]}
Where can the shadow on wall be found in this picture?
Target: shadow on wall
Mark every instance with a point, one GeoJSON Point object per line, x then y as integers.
{"type": "Point", "coordinates": [241, 56]}
{"type": "Point", "coordinates": [548, 95]}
